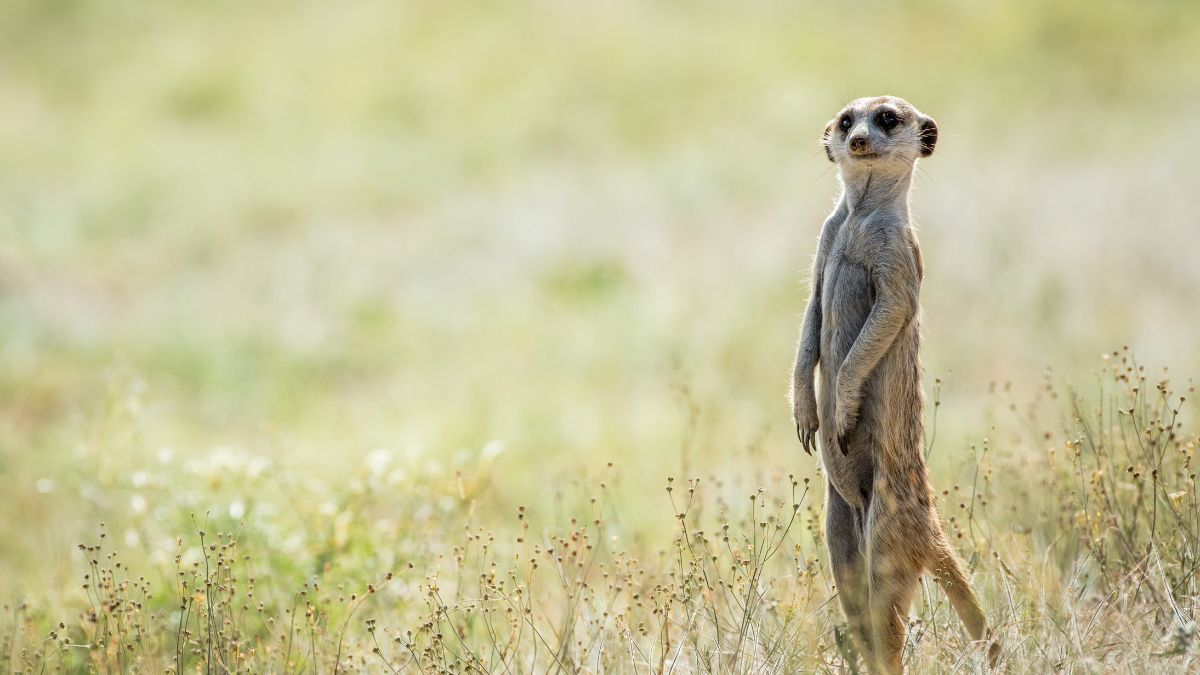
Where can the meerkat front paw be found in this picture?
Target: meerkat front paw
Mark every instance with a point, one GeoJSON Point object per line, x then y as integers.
{"type": "Point", "coordinates": [804, 412]}
{"type": "Point", "coordinates": [844, 418]}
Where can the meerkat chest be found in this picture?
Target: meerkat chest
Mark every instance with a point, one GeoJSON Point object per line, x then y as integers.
{"type": "Point", "coordinates": [848, 275]}
{"type": "Point", "coordinates": [856, 243]}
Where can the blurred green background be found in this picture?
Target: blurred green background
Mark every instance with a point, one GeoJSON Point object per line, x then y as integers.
{"type": "Point", "coordinates": [576, 232]}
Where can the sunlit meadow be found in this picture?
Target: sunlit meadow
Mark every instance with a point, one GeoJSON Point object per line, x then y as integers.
{"type": "Point", "coordinates": [456, 337]}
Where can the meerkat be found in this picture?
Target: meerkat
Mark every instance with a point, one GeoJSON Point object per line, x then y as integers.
{"type": "Point", "coordinates": [862, 330]}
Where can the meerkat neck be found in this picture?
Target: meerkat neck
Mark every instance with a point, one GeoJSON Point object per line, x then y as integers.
{"type": "Point", "coordinates": [868, 190]}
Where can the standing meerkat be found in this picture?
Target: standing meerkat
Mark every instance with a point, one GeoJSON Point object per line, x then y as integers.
{"type": "Point", "coordinates": [862, 329]}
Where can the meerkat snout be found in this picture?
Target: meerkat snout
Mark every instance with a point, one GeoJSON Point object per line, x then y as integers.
{"type": "Point", "coordinates": [859, 145]}
{"type": "Point", "coordinates": [879, 132]}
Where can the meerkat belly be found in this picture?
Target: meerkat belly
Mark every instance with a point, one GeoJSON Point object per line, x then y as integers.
{"type": "Point", "coordinates": [846, 304]}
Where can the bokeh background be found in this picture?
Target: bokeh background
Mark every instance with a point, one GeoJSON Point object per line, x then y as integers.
{"type": "Point", "coordinates": [540, 235]}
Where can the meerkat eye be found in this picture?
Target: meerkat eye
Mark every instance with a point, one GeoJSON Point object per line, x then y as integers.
{"type": "Point", "coordinates": [887, 120]}
{"type": "Point", "coordinates": [846, 122]}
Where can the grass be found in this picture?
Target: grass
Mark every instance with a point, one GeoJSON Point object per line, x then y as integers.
{"type": "Point", "coordinates": [1081, 535]}
{"type": "Point", "coordinates": [347, 288]}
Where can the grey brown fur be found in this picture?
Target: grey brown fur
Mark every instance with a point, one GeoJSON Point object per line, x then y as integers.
{"type": "Point", "coordinates": [862, 330]}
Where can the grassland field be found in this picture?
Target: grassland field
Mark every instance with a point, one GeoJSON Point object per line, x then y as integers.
{"type": "Point", "coordinates": [456, 337]}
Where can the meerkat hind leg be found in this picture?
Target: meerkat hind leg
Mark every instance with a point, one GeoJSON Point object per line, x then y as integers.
{"type": "Point", "coordinates": [895, 565]}
{"type": "Point", "coordinates": [843, 532]}
{"type": "Point", "coordinates": [889, 605]}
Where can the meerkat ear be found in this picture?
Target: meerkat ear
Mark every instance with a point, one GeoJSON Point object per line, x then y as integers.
{"type": "Point", "coordinates": [928, 133]}
{"type": "Point", "coordinates": [825, 140]}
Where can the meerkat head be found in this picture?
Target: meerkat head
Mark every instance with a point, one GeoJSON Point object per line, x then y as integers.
{"type": "Point", "coordinates": [879, 133]}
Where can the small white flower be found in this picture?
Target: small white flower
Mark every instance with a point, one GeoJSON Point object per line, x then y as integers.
{"type": "Point", "coordinates": [165, 455]}
{"type": "Point", "coordinates": [160, 557]}
{"type": "Point", "coordinates": [132, 538]}
{"type": "Point", "coordinates": [423, 513]}
{"type": "Point", "coordinates": [293, 543]}
{"type": "Point", "coordinates": [140, 479]}
{"type": "Point", "coordinates": [237, 509]}
{"type": "Point", "coordinates": [137, 503]}
{"type": "Point", "coordinates": [191, 556]}
{"type": "Point", "coordinates": [222, 459]}
{"type": "Point", "coordinates": [378, 460]}
{"type": "Point", "coordinates": [44, 485]}
{"type": "Point", "coordinates": [492, 450]}
{"type": "Point", "coordinates": [256, 466]}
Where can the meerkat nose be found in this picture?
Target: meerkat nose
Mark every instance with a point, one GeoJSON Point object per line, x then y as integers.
{"type": "Point", "coordinates": [859, 144]}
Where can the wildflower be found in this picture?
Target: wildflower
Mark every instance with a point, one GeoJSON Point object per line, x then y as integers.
{"type": "Point", "coordinates": [491, 450]}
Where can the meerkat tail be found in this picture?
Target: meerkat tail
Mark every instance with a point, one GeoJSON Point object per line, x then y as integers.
{"type": "Point", "coordinates": [947, 567]}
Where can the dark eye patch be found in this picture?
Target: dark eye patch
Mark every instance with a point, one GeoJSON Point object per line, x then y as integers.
{"type": "Point", "coordinates": [846, 122]}
{"type": "Point", "coordinates": [887, 120]}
